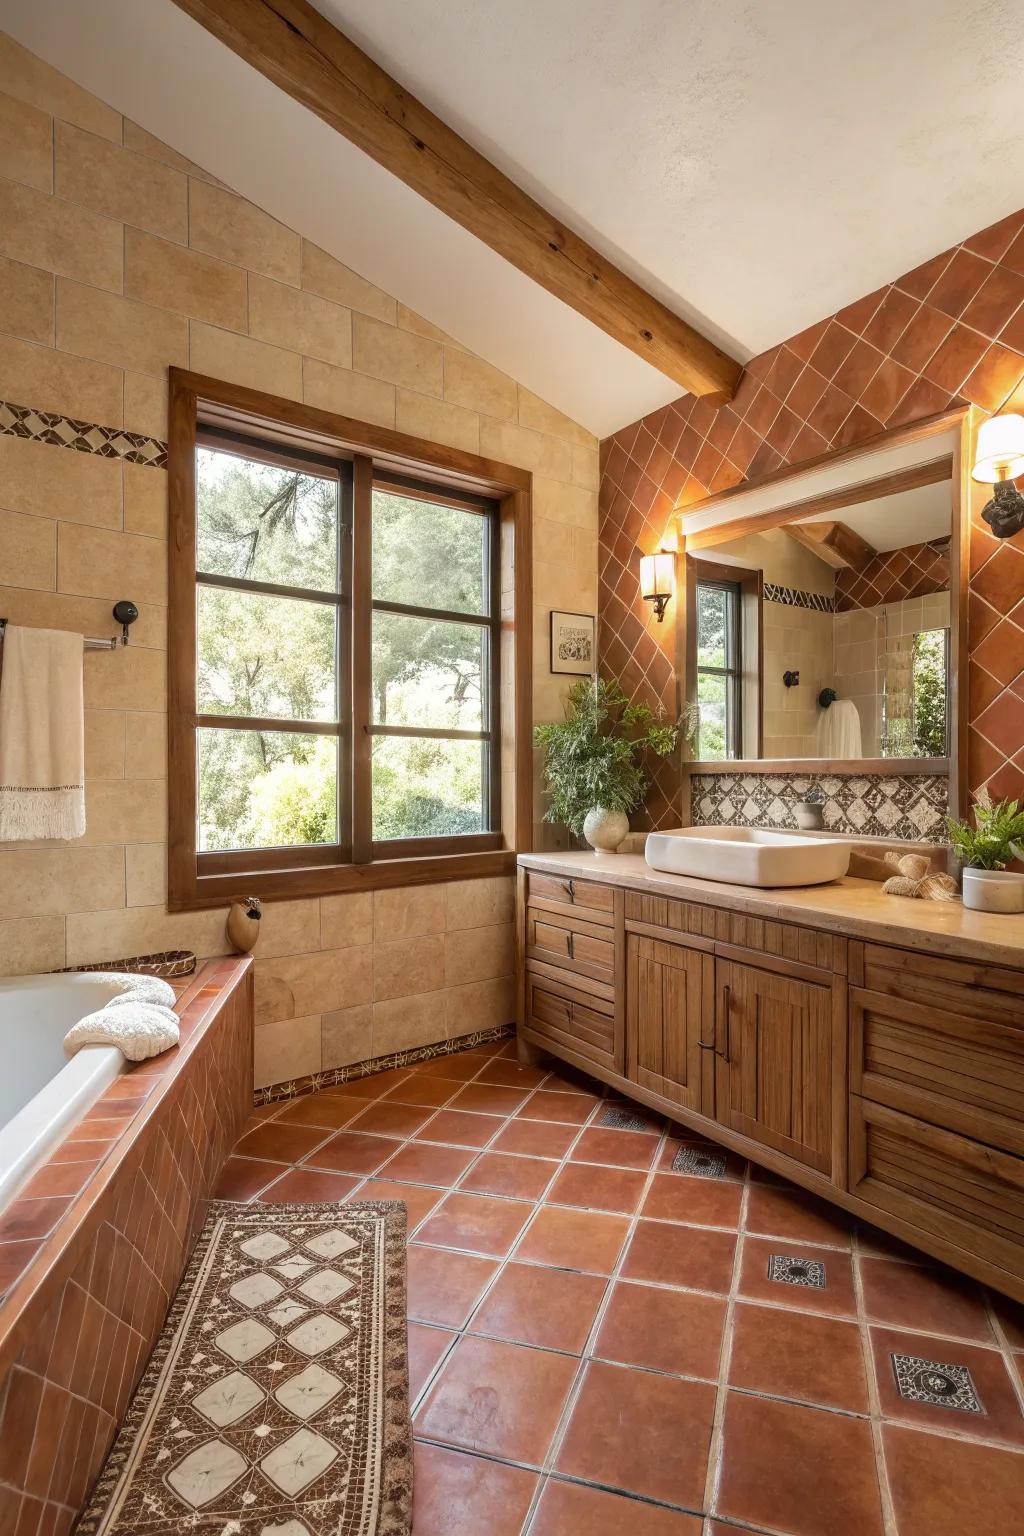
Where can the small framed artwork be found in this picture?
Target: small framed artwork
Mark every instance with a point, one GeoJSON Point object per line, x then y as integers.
{"type": "Point", "coordinates": [572, 643]}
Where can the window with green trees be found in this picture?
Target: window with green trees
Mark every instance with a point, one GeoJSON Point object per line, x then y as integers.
{"type": "Point", "coordinates": [718, 670]}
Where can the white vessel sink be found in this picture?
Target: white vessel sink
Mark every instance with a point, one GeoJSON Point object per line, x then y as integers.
{"type": "Point", "coordinates": [748, 856]}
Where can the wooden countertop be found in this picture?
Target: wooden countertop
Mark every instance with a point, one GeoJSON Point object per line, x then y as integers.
{"type": "Point", "coordinates": [857, 908]}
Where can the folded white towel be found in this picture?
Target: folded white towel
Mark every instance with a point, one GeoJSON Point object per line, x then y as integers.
{"type": "Point", "coordinates": [42, 735]}
{"type": "Point", "coordinates": [135, 988]}
{"type": "Point", "coordinates": [139, 1030]}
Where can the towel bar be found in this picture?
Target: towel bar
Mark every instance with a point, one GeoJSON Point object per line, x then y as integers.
{"type": "Point", "coordinates": [125, 613]}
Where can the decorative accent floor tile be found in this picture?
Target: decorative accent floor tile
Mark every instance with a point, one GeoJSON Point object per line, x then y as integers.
{"type": "Point", "coordinates": [934, 1382]}
{"type": "Point", "coordinates": [84, 436]}
{"type": "Point", "coordinates": [699, 1162]}
{"type": "Point", "coordinates": [789, 1271]}
{"type": "Point", "coordinates": [618, 1118]}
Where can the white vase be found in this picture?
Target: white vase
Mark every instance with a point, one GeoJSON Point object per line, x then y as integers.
{"type": "Point", "coordinates": [605, 830]}
{"type": "Point", "coordinates": [993, 890]}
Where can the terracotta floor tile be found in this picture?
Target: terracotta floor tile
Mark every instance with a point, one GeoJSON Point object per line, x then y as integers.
{"type": "Point", "coordinates": [735, 1166]}
{"type": "Point", "coordinates": [788, 1212]}
{"type": "Point", "coordinates": [499, 1173]}
{"type": "Point", "coordinates": [459, 1495]}
{"type": "Point", "coordinates": [598, 1189]}
{"type": "Point", "coordinates": [386, 1118]}
{"type": "Point", "coordinates": [699, 1202]}
{"type": "Point", "coordinates": [513, 1074]}
{"type": "Point", "coordinates": [550, 1308]}
{"type": "Point", "coordinates": [797, 1469]}
{"type": "Point", "coordinates": [567, 1509]}
{"type": "Point", "coordinates": [646, 1434]}
{"type": "Point", "coordinates": [331, 1111]}
{"type": "Point", "coordinates": [1011, 1320]}
{"type": "Point", "coordinates": [420, 1089]}
{"type": "Point", "coordinates": [445, 1287]}
{"type": "Point", "coordinates": [420, 1162]}
{"type": "Point", "coordinates": [426, 1346]}
{"type": "Point", "coordinates": [676, 1255]}
{"type": "Point", "coordinates": [798, 1355]}
{"type": "Point", "coordinates": [498, 1398]}
{"type": "Point", "coordinates": [457, 1068]}
{"type": "Point", "coordinates": [354, 1152]}
{"type": "Point", "coordinates": [621, 1149]}
{"type": "Point", "coordinates": [943, 1487]}
{"type": "Point", "coordinates": [309, 1184]}
{"type": "Point", "coordinates": [375, 1084]}
{"type": "Point", "coordinates": [872, 1242]}
{"type": "Point", "coordinates": [1001, 1419]}
{"type": "Point", "coordinates": [566, 1239]}
{"type": "Point", "coordinates": [675, 1331]}
{"type": "Point", "coordinates": [243, 1177]}
{"type": "Point", "coordinates": [459, 1129]}
{"type": "Point", "coordinates": [489, 1099]}
{"type": "Point", "coordinates": [565, 1108]}
{"type": "Point", "coordinates": [911, 1296]}
{"type": "Point", "coordinates": [535, 1138]}
{"type": "Point", "coordinates": [418, 1200]}
{"type": "Point", "coordinates": [837, 1297]}
{"type": "Point", "coordinates": [281, 1143]}
{"type": "Point", "coordinates": [478, 1223]}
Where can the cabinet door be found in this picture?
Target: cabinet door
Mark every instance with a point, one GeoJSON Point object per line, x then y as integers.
{"type": "Point", "coordinates": [773, 1079]}
{"type": "Point", "coordinates": [669, 1000]}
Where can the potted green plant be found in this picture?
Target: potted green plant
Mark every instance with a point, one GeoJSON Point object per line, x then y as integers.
{"type": "Point", "coordinates": [984, 850]}
{"type": "Point", "coordinates": [592, 761]}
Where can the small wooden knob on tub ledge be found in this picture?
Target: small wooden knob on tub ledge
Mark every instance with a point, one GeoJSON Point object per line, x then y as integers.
{"type": "Point", "coordinates": [244, 924]}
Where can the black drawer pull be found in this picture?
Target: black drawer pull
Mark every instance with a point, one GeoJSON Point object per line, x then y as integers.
{"type": "Point", "coordinates": [569, 941]}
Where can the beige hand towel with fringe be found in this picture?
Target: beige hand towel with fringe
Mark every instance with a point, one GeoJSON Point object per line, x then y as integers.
{"type": "Point", "coordinates": [42, 735]}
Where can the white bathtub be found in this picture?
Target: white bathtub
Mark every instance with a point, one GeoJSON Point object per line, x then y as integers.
{"type": "Point", "coordinates": [42, 1091]}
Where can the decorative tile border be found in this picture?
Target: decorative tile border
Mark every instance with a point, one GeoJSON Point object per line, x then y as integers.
{"type": "Point", "coordinates": [793, 597]}
{"type": "Point", "coordinates": [84, 436]}
{"type": "Point", "coordinates": [911, 809]}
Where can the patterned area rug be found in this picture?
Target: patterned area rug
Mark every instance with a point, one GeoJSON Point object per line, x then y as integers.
{"type": "Point", "coordinates": [276, 1402]}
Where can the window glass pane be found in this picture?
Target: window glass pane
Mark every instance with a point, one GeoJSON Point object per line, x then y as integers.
{"type": "Point", "coordinates": [428, 673]}
{"type": "Point", "coordinates": [266, 789]}
{"type": "Point", "coordinates": [427, 788]}
{"type": "Point", "coordinates": [713, 701]}
{"type": "Point", "coordinates": [714, 624]}
{"type": "Point", "coordinates": [269, 656]}
{"type": "Point", "coordinates": [931, 704]}
{"type": "Point", "coordinates": [266, 523]}
{"type": "Point", "coordinates": [428, 556]}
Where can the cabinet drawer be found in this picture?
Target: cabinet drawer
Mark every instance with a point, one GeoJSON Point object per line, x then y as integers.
{"type": "Point", "coordinates": [962, 1072]}
{"type": "Point", "coordinates": [593, 901]}
{"type": "Point", "coordinates": [568, 940]}
{"type": "Point", "coordinates": [782, 941]}
{"type": "Point", "coordinates": [966, 1193]}
{"type": "Point", "coordinates": [975, 990]}
{"type": "Point", "coordinates": [566, 1016]}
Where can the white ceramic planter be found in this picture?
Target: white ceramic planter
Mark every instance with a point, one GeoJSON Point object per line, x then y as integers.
{"type": "Point", "coordinates": [993, 890]}
{"type": "Point", "coordinates": [605, 830]}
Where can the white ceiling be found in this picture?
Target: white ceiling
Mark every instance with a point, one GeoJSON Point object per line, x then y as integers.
{"type": "Point", "coordinates": [907, 517]}
{"type": "Point", "coordinates": [756, 165]}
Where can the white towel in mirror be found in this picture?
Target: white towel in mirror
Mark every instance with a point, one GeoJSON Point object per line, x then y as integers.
{"type": "Point", "coordinates": [838, 732]}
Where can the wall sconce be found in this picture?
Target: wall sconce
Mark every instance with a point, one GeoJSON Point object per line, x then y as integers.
{"type": "Point", "coordinates": [657, 580]}
{"type": "Point", "coordinates": [999, 458]}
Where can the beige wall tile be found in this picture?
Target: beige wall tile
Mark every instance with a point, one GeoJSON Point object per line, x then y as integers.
{"type": "Point", "coordinates": [132, 679]}
{"type": "Point", "coordinates": [585, 468]}
{"type": "Point", "coordinates": [471, 382]}
{"type": "Point", "coordinates": [291, 317]}
{"type": "Point", "coordinates": [26, 143]}
{"type": "Point", "coordinates": [56, 381]}
{"type": "Point", "coordinates": [404, 968]}
{"type": "Point", "coordinates": [561, 586]}
{"type": "Point", "coordinates": [480, 903]}
{"type": "Point", "coordinates": [529, 450]}
{"type": "Point", "coordinates": [407, 912]}
{"type": "Point", "coordinates": [315, 983]}
{"type": "Point", "coordinates": [27, 550]}
{"type": "Point", "coordinates": [407, 1022]}
{"type": "Point", "coordinates": [479, 1005]}
{"type": "Point", "coordinates": [564, 503]}
{"type": "Point", "coordinates": [82, 615]}
{"type": "Point", "coordinates": [552, 542]}
{"type": "Point", "coordinates": [240, 360]}
{"type": "Point", "coordinates": [26, 303]}
{"type": "Point", "coordinates": [94, 563]}
{"type": "Point", "coordinates": [162, 273]}
{"type": "Point", "coordinates": [104, 744]}
{"type": "Point", "coordinates": [227, 226]}
{"type": "Point", "coordinates": [50, 481]}
{"type": "Point", "coordinates": [478, 954]}
{"type": "Point", "coordinates": [348, 393]}
{"type": "Point", "coordinates": [145, 404]}
{"type": "Point", "coordinates": [346, 919]}
{"type": "Point", "coordinates": [286, 1049]}
{"type": "Point", "coordinates": [138, 139]}
{"type": "Point", "coordinates": [323, 275]}
{"type": "Point", "coordinates": [346, 1036]}
{"type": "Point", "coordinates": [25, 76]}
{"type": "Point", "coordinates": [398, 356]}
{"type": "Point", "coordinates": [145, 500]}
{"type": "Point", "coordinates": [584, 549]}
{"type": "Point", "coordinates": [409, 320]}
{"type": "Point", "coordinates": [125, 811]}
{"type": "Point", "coordinates": [60, 237]}
{"type": "Point", "coordinates": [288, 928]}
{"type": "Point", "coordinates": [145, 755]}
{"type": "Point", "coordinates": [41, 881]}
{"type": "Point", "coordinates": [422, 416]}
{"type": "Point", "coordinates": [119, 183]}
{"type": "Point", "coordinates": [536, 413]}
{"type": "Point", "coordinates": [145, 867]}
{"type": "Point", "coordinates": [116, 935]}
{"type": "Point", "coordinates": [29, 945]}
{"type": "Point", "coordinates": [120, 331]}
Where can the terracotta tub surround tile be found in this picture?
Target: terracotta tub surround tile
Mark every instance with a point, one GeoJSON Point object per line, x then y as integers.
{"type": "Point", "coordinates": [567, 1239]}
{"type": "Point", "coordinates": [459, 1495]}
{"type": "Point", "coordinates": [565, 1108]}
{"type": "Point", "coordinates": [1001, 1419]}
{"type": "Point", "coordinates": [32, 1218]}
{"type": "Point", "coordinates": [798, 1355]}
{"type": "Point", "coordinates": [699, 1202]}
{"type": "Point", "coordinates": [944, 1487]}
{"type": "Point", "coordinates": [282, 1143]}
{"type": "Point", "coordinates": [799, 1470]}
{"type": "Point", "coordinates": [321, 1110]}
{"type": "Point", "coordinates": [243, 1177]}
{"type": "Point", "coordinates": [499, 1173]}
{"type": "Point", "coordinates": [598, 1189]}
{"type": "Point", "coordinates": [619, 1149]}
{"type": "Point", "coordinates": [60, 1178]}
{"type": "Point", "coordinates": [499, 1399]}
{"type": "Point", "coordinates": [459, 1129]}
{"type": "Point", "coordinates": [548, 1308]}
{"type": "Point", "coordinates": [675, 1331]}
{"type": "Point", "coordinates": [426, 1346]}
{"type": "Point", "coordinates": [353, 1152]}
{"type": "Point", "coordinates": [837, 1297]}
{"type": "Point", "coordinates": [535, 1138]}
{"type": "Point", "coordinates": [477, 1223]}
{"type": "Point", "coordinates": [489, 1099]}
{"type": "Point", "coordinates": [310, 1186]}
{"type": "Point", "coordinates": [909, 1296]}
{"type": "Point", "coordinates": [14, 1257]}
{"type": "Point", "coordinates": [693, 1257]}
{"type": "Point", "coordinates": [568, 1509]}
{"type": "Point", "coordinates": [423, 1163]}
{"type": "Point", "coordinates": [386, 1118]}
{"type": "Point", "coordinates": [418, 1199]}
{"type": "Point", "coordinates": [787, 1212]}
{"type": "Point", "coordinates": [645, 1434]}
{"type": "Point", "coordinates": [445, 1287]}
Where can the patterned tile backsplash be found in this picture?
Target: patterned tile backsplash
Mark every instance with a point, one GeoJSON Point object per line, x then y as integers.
{"type": "Point", "coordinates": [83, 436]}
{"type": "Point", "coordinates": [910, 809]}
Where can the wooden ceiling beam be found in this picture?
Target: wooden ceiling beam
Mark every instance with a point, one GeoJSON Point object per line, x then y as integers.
{"type": "Point", "coordinates": [839, 545]}
{"type": "Point", "coordinates": [305, 55]}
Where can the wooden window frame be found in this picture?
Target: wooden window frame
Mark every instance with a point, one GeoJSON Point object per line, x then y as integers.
{"type": "Point", "coordinates": [206, 409]}
{"type": "Point", "coordinates": [747, 701]}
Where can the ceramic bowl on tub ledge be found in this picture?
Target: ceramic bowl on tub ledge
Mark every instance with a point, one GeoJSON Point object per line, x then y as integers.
{"type": "Point", "coordinates": [748, 856]}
